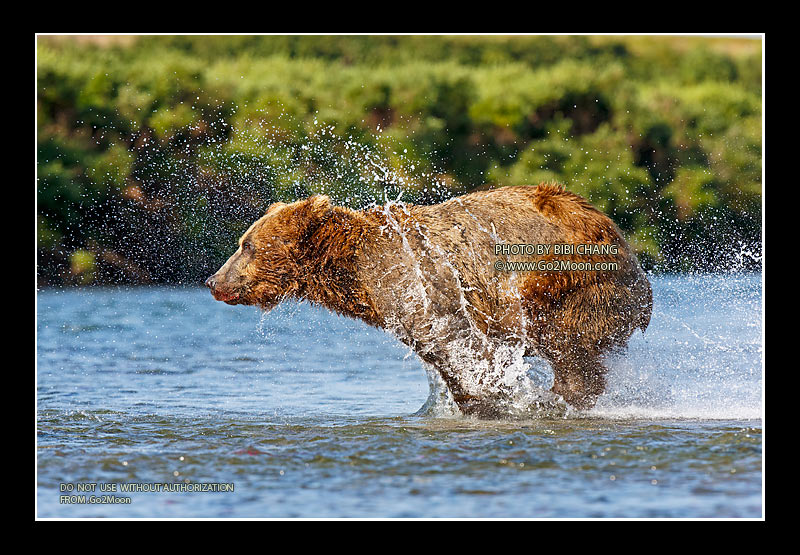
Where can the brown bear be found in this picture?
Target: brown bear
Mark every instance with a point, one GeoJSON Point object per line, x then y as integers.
{"type": "Point", "coordinates": [470, 284]}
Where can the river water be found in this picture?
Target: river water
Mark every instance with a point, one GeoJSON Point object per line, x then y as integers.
{"type": "Point", "coordinates": [302, 413]}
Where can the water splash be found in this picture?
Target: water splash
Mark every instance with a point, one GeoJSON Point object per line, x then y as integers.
{"type": "Point", "coordinates": [701, 357]}
{"type": "Point", "coordinates": [354, 169]}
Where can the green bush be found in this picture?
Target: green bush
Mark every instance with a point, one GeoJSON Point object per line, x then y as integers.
{"type": "Point", "coordinates": [161, 152]}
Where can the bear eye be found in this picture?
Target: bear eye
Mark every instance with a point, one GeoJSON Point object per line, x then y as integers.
{"type": "Point", "coordinates": [247, 246]}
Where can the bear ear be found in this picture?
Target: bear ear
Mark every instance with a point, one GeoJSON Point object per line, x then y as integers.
{"type": "Point", "coordinates": [317, 206]}
{"type": "Point", "coordinates": [274, 206]}
{"type": "Point", "coordinates": [320, 202]}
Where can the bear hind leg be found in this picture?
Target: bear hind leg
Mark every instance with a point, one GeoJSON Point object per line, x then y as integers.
{"type": "Point", "coordinates": [579, 379]}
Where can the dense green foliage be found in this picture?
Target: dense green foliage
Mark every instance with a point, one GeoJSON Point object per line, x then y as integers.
{"type": "Point", "coordinates": [154, 156]}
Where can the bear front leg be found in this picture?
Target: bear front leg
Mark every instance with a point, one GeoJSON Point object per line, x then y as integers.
{"type": "Point", "coordinates": [468, 404]}
{"type": "Point", "coordinates": [479, 406]}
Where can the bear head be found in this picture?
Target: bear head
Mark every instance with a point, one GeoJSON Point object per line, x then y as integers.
{"type": "Point", "coordinates": [268, 266]}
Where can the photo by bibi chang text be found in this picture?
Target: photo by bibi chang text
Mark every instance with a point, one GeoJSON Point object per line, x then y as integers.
{"type": "Point", "coordinates": [544, 249]}
{"type": "Point", "coordinates": [554, 264]}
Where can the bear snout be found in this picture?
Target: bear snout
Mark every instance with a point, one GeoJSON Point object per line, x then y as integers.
{"type": "Point", "coordinates": [221, 293]}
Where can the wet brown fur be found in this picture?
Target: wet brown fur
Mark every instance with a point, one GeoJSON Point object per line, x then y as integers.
{"type": "Point", "coordinates": [359, 263]}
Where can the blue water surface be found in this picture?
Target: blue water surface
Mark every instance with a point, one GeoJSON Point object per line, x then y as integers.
{"type": "Point", "coordinates": [307, 414]}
